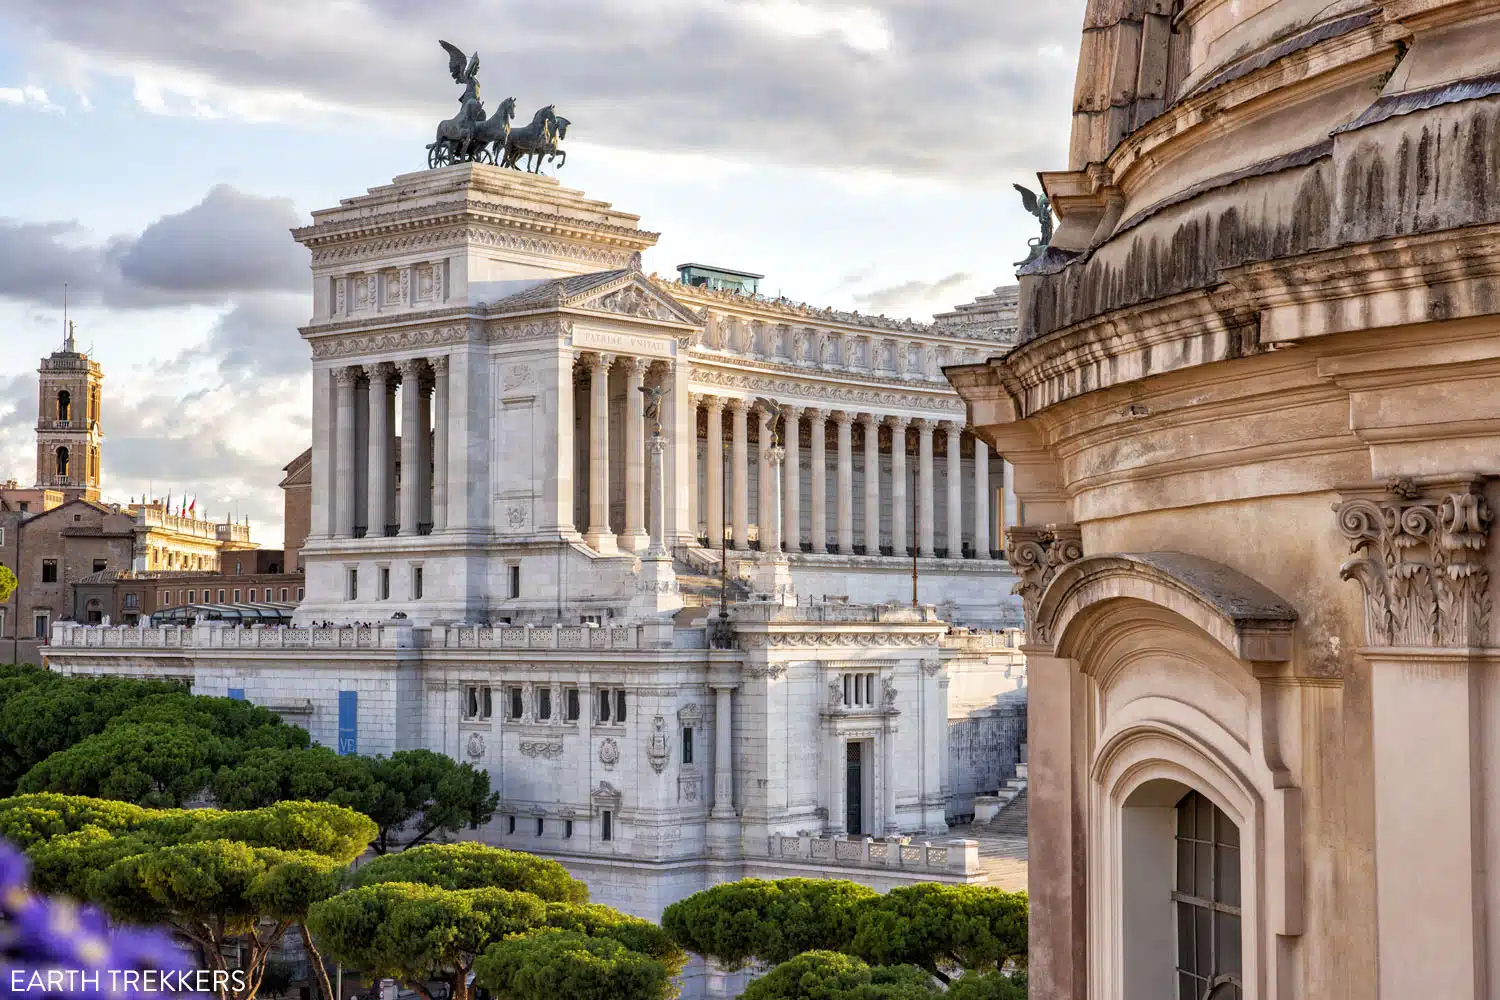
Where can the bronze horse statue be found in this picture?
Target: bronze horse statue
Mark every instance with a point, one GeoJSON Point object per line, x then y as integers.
{"type": "Point", "coordinates": [536, 139]}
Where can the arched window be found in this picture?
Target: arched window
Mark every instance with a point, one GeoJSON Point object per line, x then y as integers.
{"type": "Point", "coordinates": [64, 405]}
{"type": "Point", "coordinates": [62, 461]}
{"type": "Point", "coordinates": [1207, 902]}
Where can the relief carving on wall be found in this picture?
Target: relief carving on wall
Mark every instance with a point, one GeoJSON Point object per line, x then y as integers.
{"type": "Point", "coordinates": [1036, 554]}
{"type": "Point", "coordinates": [550, 751]}
{"type": "Point", "coordinates": [657, 749]}
{"type": "Point", "coordinates": [1418, 549]}
{"type": "Point", "coordinates": [609, 752]}
{"type": "Point", "coordinates": [475, 747]}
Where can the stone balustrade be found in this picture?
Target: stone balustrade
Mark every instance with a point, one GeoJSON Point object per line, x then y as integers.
{"type": "Point", "coordinates": [965, 641]}
{"type": "Point", "coordinates": [381, 636]}
{"type": "Point", "coordinates": [769, 611]}
{"type": "Point", "coordinates": [955, 857]}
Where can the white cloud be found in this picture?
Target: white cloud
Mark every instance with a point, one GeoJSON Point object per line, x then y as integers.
{"type": "Point", "coordinates": [29, 95]}
{"type": "Point", "coordinates": [859, 28]}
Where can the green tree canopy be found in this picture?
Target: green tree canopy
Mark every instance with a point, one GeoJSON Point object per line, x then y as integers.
{"type": "Point", "coordinates": [470, 865]}
{"type": "Point", "coordinates": [936, 927]}
{"type": "Point", "coordinates": [154, 765]}
{"type": "Point", "coordinates": [769, 921]}
{"type": "Point", "coordinates": [264, 775]}
{"type": "Point", "coordinates": [553, 964]}
{"type": "Point", "coordinates": [225, 881]}
{"type": "Point", "coordinates": [420, 794]}
{"type": "Point", "coordinates": [831, 975]}
{"type": "Point", "coordinates": [8, 583]}
{"type": "Point", "coordinates": [417, 934]}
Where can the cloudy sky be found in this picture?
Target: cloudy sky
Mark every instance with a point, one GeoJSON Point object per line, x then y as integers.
{"type": "Point", "coordinates": [858, 154]}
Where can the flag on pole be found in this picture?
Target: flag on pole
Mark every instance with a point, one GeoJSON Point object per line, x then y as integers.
{"type": "Point", "coordinates": [192, 506]}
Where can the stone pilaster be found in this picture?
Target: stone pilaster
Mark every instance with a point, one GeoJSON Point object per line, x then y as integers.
{"type": "Point", "coordinates": [955, 490]}
{"type": "Point", "coordinates": [599, 536]}
{"type": "Point", "coordinates": [713, 475]}
{"type": "Point", "coordinates": [635, 538]}
{"type": "Point", "coordinates": [440, 428]}
{"type": "Point", "coordinates": [411, 402]}
{"type": "Point", "coordinates": [344, 380]}
{"type": "Point", "coordinates": [379, 488]}
{"type": "Point", "coordinates": [871, 424]}
{"type": "Point", "coordinates": [723, 807]}
{"type": "Point", "coordinates": [791, 502]}
{"type": "Point", "coordinates": [740, 502]}
{"type": "Point", "coordinates": [765, 500]}
{"type": "Point", "coordinates": [845, 423]}
{"type": "Point", "coordinates": [1035, 555]}
{"type": "Point", "coordinates": [900, 501]}
{"type": "Point", "coordinates": [424, 479]}
{"type": "Point", "coordinates": [926, 488]}
{"type": "Point", "coordinates": [817, 437]}
{"type": "Point", "coordinates": [981, 499]}
{"type": "Point", "coordinates": [1419, 549]}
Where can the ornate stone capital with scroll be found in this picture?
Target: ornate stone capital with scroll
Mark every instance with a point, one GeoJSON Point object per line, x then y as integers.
{"type": "Point", "coordinates": [1418, 550]}
{"type": "Point", "coordinates": [1036, 554]}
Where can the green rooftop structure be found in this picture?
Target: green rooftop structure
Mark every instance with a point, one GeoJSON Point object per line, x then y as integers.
{"type": "Point", "coordinates": [720, 279]}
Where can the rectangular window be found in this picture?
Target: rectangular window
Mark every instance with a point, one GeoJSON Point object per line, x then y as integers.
{"type": "Point", "coordinates": [517, 704]}
{"type": "Point", "coordinates": [510, 824]}
{"type": "Point", "coordinates": [237, 694]}
{"type": "Point", "coordinates": [348, 722]}
{"type": "Point", "coordinates": [543, 704]}
{"type": "Point", "coordinates": [49, 570]}
{"type": "Point", "coordinates": [515, 581]}
{"type": "Point", "coordinates": [385, 583]}
{"type": "Point", "coordinates": [607, 826]}
{"type": "Point", "coordinates": [221, 594]}
{"type": "Point", "coordinates": [477, 702]}
{"type": "Point", "coordinates": [541, 826]}
{"type": "Point", "coordinates": [283, 595]}
{"type": "Point", "coordinates": [132, 601]}
{"type": "Point", "coordinates": [39, 625]}
{"type": "Point", "coordinates": [603, 705]}
{"type": "Point", "coordinates": [351, 587]}
{"type": "Point", "coordinates": [570, 705]}
{"type": "Point", "coordinates": [236, 595]}
{"type": "Point", "coordinates": [299, 593]}
{"type": "Point", "coordinates": [100, 565]}
{"type": "Point", "coordinates": [687, 744]}
{"type": "Point", "coordinates": [620, 706]}
{"type": "Point", "coordinates": [191, 598]}
{"type": "Point", "coordinates": [416, 584]}
{"type": "Point", "coordinates": [567, 829]}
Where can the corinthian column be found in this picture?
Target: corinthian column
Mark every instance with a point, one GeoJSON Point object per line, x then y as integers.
{"type": "Point", "coordinates": [981, 499]}
{"type": "Point", "coordinates": [899, 500]}
{"type": "Point", "coordinates": [845, 422]}
{"type": "Point", "coordinates": [439, 443]}
{"type": "Point", "coordinates": [791, 493]}
{"type": "Point", "coordinates": [741, 464]}
{"type": "Point", "coordinates": [955, 492]}
{"type": "Point", "coordinates": [713, 475]}
{"type": "Point", "coordinates": [871, 424]}
{"type": "Point", "coordinates": [599, 535]}
{"type": "Point", "coordinates": [378, 488]}
{"type": "Point", "coordinates": [926, 488]}
{"type": "Point", "coordinates": [344, 380]}
{"type": "Point", "coordinates": [635, 538]}
{"type": "Point", "coordinates": [817, 437]}
{"type": "Point", "coordinates": [765, 501]}
{"type": "Point", "coordinates": [411, 444]}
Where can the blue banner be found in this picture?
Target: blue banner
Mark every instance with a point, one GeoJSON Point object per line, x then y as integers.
{"type": "Point", "coordinates": [348, 722]}
{"type": "Point", "coordinates": [238, 694]}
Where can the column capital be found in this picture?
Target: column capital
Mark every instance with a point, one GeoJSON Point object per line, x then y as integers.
{"type": "Point", "coordinates": [598, 361]}
{"type": "Point", "coordinates": [347, 376]}
{"type": "Point", "coordinates": [899, 422]}
{"type": "Point", "coordinates": [713, 402]}
{"type": "Point", "coordinates": [816, 414]}
{"type": "Point", "coordinates": [951, 426]}
{"type": "Point", "coordinates": [439, 364]}
{"type": "Point", "coordinates": [736, 404]}
{"type": "Point", "coordinates": [635, 367]}
{"type": "Point", "coordinates": [411, 368]}
{"type": "Point", "coordinates": [842, 417]}
{"type": "Point", "coordinates": [791, 411]}
{"type": "Point", "coordinates": [869, 419]}
{"type": "Point", "coordinates": [924, 424]}
{"type": "Point", "coordinates": [381, 371]}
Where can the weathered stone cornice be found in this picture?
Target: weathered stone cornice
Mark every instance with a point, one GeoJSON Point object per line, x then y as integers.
{"type": "Point", "coordinates": [792, 382]}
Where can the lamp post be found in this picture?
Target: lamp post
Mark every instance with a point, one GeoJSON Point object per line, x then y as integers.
{"type": "Point", "coordinates": [723, 536]}
{"type": "Point", "coordinates": [914, 536]}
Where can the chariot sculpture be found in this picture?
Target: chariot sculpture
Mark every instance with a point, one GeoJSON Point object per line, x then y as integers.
{"type": "Point", "coordinates": [473, 135]}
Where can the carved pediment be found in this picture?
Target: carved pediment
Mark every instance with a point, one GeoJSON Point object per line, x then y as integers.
{"type": "Point", "coordinates": [634, 296]}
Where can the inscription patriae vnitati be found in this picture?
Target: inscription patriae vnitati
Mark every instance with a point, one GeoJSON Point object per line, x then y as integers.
{"type": "Point", "coordinates": [624, 343]}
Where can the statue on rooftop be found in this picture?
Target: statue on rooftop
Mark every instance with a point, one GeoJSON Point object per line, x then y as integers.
{"type": "Point", "coordinates": [1040, 207]}
{"type": "Point", "coordinates": [471, 133]}
{"type": "Point", "coordinates": [653, 394]}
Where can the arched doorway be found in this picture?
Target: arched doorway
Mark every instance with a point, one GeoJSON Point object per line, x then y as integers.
{"type": "Point", "coordinates": [1206, 900]}
{"type": "Point", "coordinates": [62, 462]}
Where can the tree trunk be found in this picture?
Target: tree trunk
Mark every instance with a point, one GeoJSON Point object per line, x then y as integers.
{"type": "Point", "coordinates": [320, 972]}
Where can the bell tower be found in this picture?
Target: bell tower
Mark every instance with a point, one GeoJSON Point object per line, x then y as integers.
{"type": "Point", "coordinates": [68, 437]}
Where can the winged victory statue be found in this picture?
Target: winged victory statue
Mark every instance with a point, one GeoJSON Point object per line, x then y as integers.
{"type": "Point", "coordinates": [1040, 207]}
{"type": "Point", "coordinates": [472, 135]}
